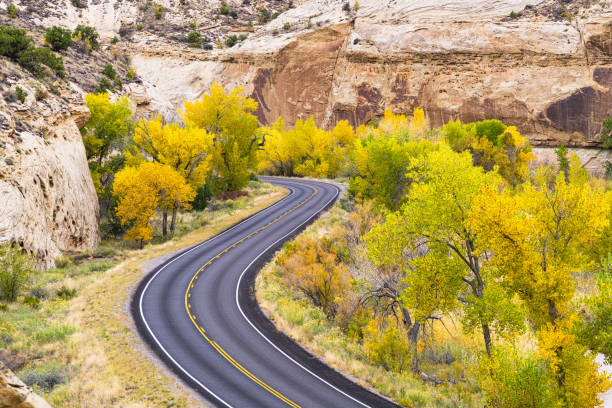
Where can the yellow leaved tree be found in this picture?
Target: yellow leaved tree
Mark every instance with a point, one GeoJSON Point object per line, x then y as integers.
{"type": "Point", "coordinates": [537, 237]}
{"type": "Point", "coordinates": [229, 118]}
{"type": "Point", "coordinates": [306, 150]}
{"type": "Point", "coordinates": [187, 150]}
{"type": "Point", "coordinates": [144, 189]}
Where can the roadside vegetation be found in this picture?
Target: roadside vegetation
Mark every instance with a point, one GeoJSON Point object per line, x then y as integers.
{"type": "Point", "coordinates": [452, 274]}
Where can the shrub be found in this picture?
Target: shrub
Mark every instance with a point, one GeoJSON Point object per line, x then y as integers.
{"type": "Point", "coordinates": [275, 15]}
{"type": "Point", "coordinates": [192, 25]}
{"type": "Point", "coordinates": [109, 71]}
{"type": "Point", "coordinates": [346, 7]}
{"type": "Point", "coordinates": [103, 86]}
{"type": "Point", "coordinates": [40, 94]}
{"type": "Point", "coordinates": [513, 15]}
{"type": "Point", "coordinates": [606, 134]}
{"type": "Point", "coordinates": [58, 38]}
{"type": "Point", "coordinates": [388, 347]}
{"type": "Point", "coordinates": [13, 41]}
{"type": "Point", "coordinates": [118, 84]}
{"type": "Point", "coordinates": [31, 301]}
{"type": "Point", "coordinates": [87, 34]}
{"type": "Point", "coordinates": [139, 27]}
{"type": "Point", "coordinates": [130, 74]}
{"type": "Point", "coordinates": [231, 40]}
{"type": "Point", "coordinates": [33, 60]}
{"type": "Point", "coordinates": [264, 15]}
{"type": "Point", "coordinates": [46, 376]}
{"type": "Point", "coordinates": [115, 40]}
{"type": "Point", "coordinates": [39, 292]}
{"type": "Point", "coordinates": [202, 198]}
{"type": "Point", "coordinates": [194, 39]}
{"type": "Point", "coordinates": [77, 3]}
{"type": "Point", "coordinates": [287, 26]}
{"type": "Point", "coordinates": [65, 293]}
{"type": "Point", "coordinates": [12, 11]}
{"type": "Point", "coordinates": [512, 379]}
{"type": "Point", "coordinates": [243, 37]}
{"type": "Point", "coordinates": [224, 9]}
{"type": "Point", "coordinates": [15, 271]}
{"type": "Point", "coordinates": [63, 262]}
{"type": "Point", "coordinates": [158, 12]}
{"type": "Point", "coordinates": [274, 32]}
{"type": "Point", "coordinates": [20, 94]}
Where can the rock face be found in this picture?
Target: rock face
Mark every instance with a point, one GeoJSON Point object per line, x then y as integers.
{"type": "Point", "coordinates": [547, 72]}
{"type": "Point", "coordinates": [15, 394]}
{"type": "Point", "coordinates": [47, 198]}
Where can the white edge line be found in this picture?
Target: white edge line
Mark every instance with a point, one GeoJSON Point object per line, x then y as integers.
{"type": "Point", "coordinates": [260, 333]}
{"type": "Point", "coordinates": [170, 262]}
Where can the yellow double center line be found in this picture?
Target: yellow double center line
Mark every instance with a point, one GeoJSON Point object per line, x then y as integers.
{"type": "Point", "coordinates": [202, 331]}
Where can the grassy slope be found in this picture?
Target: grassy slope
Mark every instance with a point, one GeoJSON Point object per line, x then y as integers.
{"type": "Point", "coordinates": [85, 351]}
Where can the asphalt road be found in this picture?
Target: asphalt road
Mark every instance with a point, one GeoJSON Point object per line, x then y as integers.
{"type": "Point", "coordinates": [199, 314]}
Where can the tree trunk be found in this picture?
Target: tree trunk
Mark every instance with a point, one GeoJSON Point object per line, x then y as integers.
{"type": "Point", "coordinates": [173, 222]}
{"type": "Point", "coordinates": [413, 336]}
{"type": "Point", "coordinates": [487, 338]}
{"type": "Point", "coordinates": [165, 223]}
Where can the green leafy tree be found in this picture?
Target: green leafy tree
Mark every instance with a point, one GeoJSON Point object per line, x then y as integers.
{"type": "Point", "coordinates": [108, 126]}
{"type": "Point", "coordinates": [87, 34]}
{"type": "Point", "coordinates": [563, 160]}
{"type": "Point", "coordinates": [13, 41]}
{"type": "Point", "coordinates": [606, 134]}
{"type": "Point", "coordinates": [493, 145]}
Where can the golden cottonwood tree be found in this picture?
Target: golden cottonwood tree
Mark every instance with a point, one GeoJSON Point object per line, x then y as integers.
{"type": "Point", "coordinates": [537, 237]}
{"type": "Point", "coordinates": [436, 217]}
{"type": "Point", "coordinates": [144, 189]}
{"type": "Point", "coordinates": [188, 150]}
{"type": "Point", "coordinates": [306, 150]}
{"type": "Point", "coordinates": [228, 118]}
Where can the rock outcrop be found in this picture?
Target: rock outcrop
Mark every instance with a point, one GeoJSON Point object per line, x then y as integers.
{"type": "Point", "coordinates": [15, 394]}
{"type": "Point", "coordinates": [525, 62]}
{"type": "Point", "coordinates": [48, 201]}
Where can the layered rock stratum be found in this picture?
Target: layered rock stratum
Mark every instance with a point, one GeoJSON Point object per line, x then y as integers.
{"type": "Point", "coordinates": [544, 66]}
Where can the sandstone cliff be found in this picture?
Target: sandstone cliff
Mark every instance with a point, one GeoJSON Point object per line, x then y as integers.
{"type": "Point", "coordinates": [47, 197]}
{"type": "Point", "coordinates": [543, 66]}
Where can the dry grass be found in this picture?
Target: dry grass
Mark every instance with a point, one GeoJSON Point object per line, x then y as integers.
{"type": "Point", "coordinates": [104, 362]}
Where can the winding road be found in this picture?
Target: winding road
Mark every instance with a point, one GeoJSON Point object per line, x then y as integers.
{"type": "Point", "coordinates": [198, 312]}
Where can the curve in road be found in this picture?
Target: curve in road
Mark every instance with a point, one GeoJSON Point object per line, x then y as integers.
{"type": "Point", "coordinates": [199, 313]}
